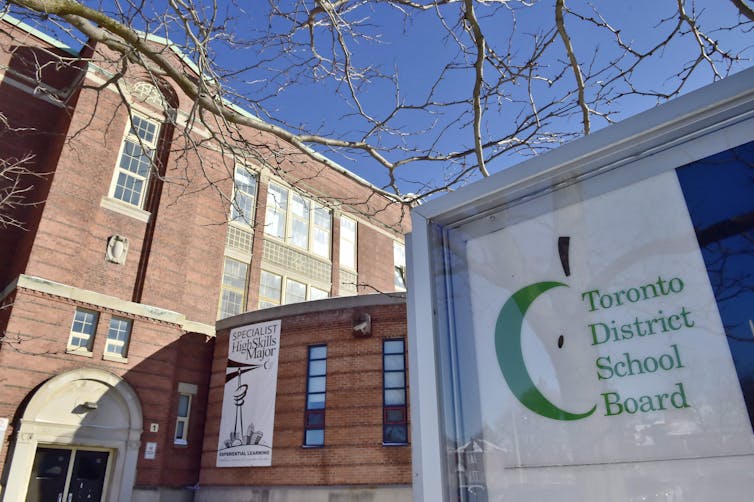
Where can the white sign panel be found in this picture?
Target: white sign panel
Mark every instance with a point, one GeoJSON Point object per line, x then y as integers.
{"type": "Point", "coordinates": [600, 335]}
{"type": "Point", "coordinates": [597, 342]}
{"type": "Point", "coordinates": [248, 414]}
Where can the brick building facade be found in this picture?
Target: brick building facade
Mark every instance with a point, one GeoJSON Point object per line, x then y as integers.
{"type": "Point", "coordinates": [359, 452]}
{"type": "Point", "coordinates": [135, 242]}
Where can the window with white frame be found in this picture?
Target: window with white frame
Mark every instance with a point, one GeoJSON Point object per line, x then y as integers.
{"type": "Point", "coordinates": [270, 288]}
{"type": "Point", "coordinates": [317, 294]}
{"type": "Point", "coordinates": [118, 336]}
{"type": "Point", "coordinates": [275, 289]}
{"type": "Point", "coordinates": [135, 161]}
{"type": "Point", "coordinates": [244, 196]}
{"type": "Point", "coordinates": [295, 291]}
{"type": "Point", "coordinates": [277, 207]}
{"type": "Point", "coordinates": [82, 330]}
{"type": "Point", "coordinates": [321, 229]}
{"type": "Point", "coordinates": [347, 243]}
{"type": "Point", "coordinates": [399, 265]}
{"type": "Point", "coordinates": [182, 418]}
{"type": "Point", "coordinates": [298, 221]}
{"type": "Point", "coordinates": [233, 288]}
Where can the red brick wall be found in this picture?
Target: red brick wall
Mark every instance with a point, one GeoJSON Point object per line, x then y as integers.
{"type": "Point", "coordinates": [34, 126]}
{"type": "Point", "coordinates": [353, 451]}
{"type": "Point", "coordinates": [160, 355]}
{"type": "Point", "coordinates": [184, 267]}
{"type": "Point", "coordinates": [375, 261]}
{"type": "Point", "coordinates": [185, 260]}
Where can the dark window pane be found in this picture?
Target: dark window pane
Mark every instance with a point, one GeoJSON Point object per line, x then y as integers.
{"type": "Point", "coordinates": [51, 462]}
{"type": "Point", "coordinates": [315, 419]}
{"type": "Point", "coordinates": [395, 415]}
{"type": "Point", "coordinates": [395, 434]}
{"type": "Point", "coordinates": [183, 404]}
{"type": "Point", "coordinates": [90, 465]}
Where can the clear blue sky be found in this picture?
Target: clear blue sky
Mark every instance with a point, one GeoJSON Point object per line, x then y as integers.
{"type": "Point", "coordinates": [419, 48]}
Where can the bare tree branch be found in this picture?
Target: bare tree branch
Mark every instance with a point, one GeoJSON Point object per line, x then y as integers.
{"type": "Point", "coordinates": [560, 22]}
{"type": "Point", "coordinates": [528, 89]}
{"type": "Point", "coordinates": [744, 8]}
{"type": "Point", "coordinates": [16, 183]}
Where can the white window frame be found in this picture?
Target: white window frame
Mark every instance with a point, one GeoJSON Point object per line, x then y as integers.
{"type": "Point", "coordinates": [289, 287]}
{"type": "Point", "coordinates": [189, 391]}
{"type": "Point", "coordinates": [179, 420]}
{"type": "Point", "coordinates": [81, 335]}
{"type": "Point", "coordinates": [182, 423]}
{"type": "Point", "coordinates": [225, 286]}
{"type": "Point", "coordinates": [304, 220]}
{"type": "Point", "coordinates": [115, 342]}
{"type": "Point", "coordinates": [235, 215]}
{"type": "Point", "coordinates": [268, 301]}
{"type": "Point", "coordinates": [348, 248]}
{"type": "Point", "coordinates": [285, 208]}
{"type": "Point", "coordinates": [311, 295]}
{"type": "Point", "coordinates": [130, 136]}
{"type": "Point", "coordinates": [314, 228]}
{"type": "Point", "coordinates": [275, 207]}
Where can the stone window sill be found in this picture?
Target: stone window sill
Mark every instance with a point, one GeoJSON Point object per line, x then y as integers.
{"type": "Point", "coordinates": [78, 351]}
{"type": "Point", "coordinates": [125, 209]}
{"type": "Point", "coordinates": [114, 358]}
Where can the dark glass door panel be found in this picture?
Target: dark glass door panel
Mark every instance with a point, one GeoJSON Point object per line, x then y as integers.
{"type": "Point", "coordinates": [88, 476]}
{"type": "Point", "coordinates": [48, 475]}
{"type": "Point", "coordinates": [53, 480]}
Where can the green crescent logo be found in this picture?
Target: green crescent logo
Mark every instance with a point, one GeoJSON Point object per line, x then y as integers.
{"type": "Point", "coordinates": [511, 359]}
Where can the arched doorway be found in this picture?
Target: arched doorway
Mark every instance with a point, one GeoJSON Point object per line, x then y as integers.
{"type": "Point", "coordinates": [78, 439]}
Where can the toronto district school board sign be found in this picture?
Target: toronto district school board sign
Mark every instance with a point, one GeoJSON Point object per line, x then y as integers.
{"type": "Point", "coordinates": [603, 323]}
{"type": "Point", "coordinates": [609, 322]}
{"type": "Point", "coordinates": [508, 348]}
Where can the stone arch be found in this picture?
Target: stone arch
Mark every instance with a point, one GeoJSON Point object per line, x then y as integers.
{"type": "Point", "coordinates": [155, 92]}
{"type": "Point", "coordinates": [81, 408]}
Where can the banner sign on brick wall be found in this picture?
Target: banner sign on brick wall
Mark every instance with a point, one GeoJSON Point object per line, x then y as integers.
{"type": "Point", "coordinates": [248, 413]}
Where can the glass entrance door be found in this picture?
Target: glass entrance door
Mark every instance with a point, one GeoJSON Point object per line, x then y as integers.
{"type": "Point", "coordinates": [67, 475]}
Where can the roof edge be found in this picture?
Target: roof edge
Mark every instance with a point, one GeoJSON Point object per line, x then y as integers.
{"type": "Point", "coordinates": [37, 33]}
{"type": "Point", "coordinates": [311, 307]}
